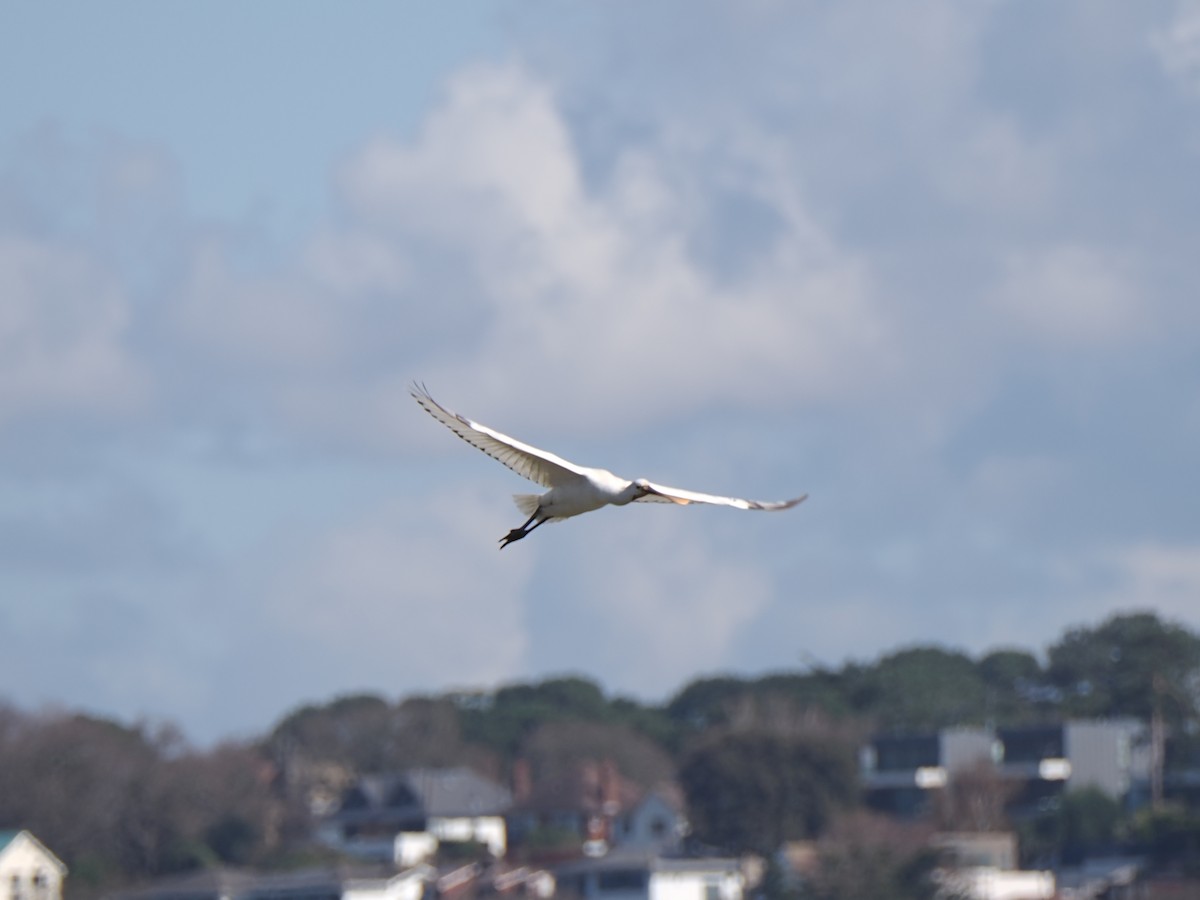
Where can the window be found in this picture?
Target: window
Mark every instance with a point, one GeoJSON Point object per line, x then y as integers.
{"type": "Point", "coordinates": [402, 796]}
{"type": "Point", "coordinates": [622, 880]}
{"type": "Point", "coordinates": [904, 753]}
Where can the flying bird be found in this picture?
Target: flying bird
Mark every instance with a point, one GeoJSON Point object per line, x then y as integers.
{"type": "Point", "coordinates": [574, 489]}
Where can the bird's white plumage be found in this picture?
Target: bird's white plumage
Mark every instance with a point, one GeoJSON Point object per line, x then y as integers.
{"type": "Point", "coordinates": [683, 497]}
{"type": "Point", "coordinates": [573, 489]}
{"type": "Point", "coordinates": [538, 466]}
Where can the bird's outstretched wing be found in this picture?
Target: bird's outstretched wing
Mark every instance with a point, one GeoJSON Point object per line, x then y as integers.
{"type": "Point", "coordinates": [662, 494]}
{"type": "Point", "coordinates": [538, 466]}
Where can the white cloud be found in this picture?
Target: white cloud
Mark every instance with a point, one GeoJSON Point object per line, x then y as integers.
{"type": "Point", "coordinates": [1178, 45]}
{"type": "Point", "coordinates": [478, 256]}
{"type": "Point", "coordinates": [1073, 294]}
{"type": "Point", "coordinates": [997, 169]}
{"type": "Point", "coordinates": [667, 598]}
{"type": "Point", "coordinates": [390, 598]}
{"type": "Point", "coordinates": [591, 289]}
{"type": "Point", "coordinates": [349, 263]}
{"type": "Point", "coordinates": [497, 146]}
{"type": "Point", "coordinates": [1159, 576]}
{"type": "Point", "coordinates": [267, 321]}
{"type": "Point", "coordinates": [876, 232]}
{"type": "Point", "coordinates": [63, 323]}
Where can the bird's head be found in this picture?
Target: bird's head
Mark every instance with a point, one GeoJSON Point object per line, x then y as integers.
{"type": "Point", "coordinates": [642, 487]}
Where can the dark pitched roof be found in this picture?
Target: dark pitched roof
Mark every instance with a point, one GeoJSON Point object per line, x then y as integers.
{"type": "Point", "coordinates": [458, 792]}
{"type": "Point", "coordinates": [417, 794]}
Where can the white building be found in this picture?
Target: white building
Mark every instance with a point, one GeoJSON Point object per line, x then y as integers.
{"type": "Point", "coordinates": [634, 876]}
{"type": "Point", "coordinates": [656, 824]}
{"type": "Point", "coordinates": [403, 816]}
{"type": "Point", "coordinates": [27, 869]}
{"type": "Point", "coordinates": [369, 883]}
{"type": "Point", "coordinates": [987, 883]}
{"type": "Point", "coordinates": [983, 866]}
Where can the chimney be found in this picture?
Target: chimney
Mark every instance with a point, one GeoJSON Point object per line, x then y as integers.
{"type": "Point", "coordinates": [589, 777]}
{"type": "Point", "coordinates": [522, 782]}
{"type": "Point", "coordinates": [610, 788]}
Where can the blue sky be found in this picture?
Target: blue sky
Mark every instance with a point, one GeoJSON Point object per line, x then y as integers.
{"type": "Point", "coordinates": [933, 263]}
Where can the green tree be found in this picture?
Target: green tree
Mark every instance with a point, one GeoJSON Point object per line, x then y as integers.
{"type": "Point", "coordinates": [557, 751]}
{"type": "Point", "coordinates": [1015, 686]}
{"type": "Point", "coordinates": [502, 721]}
{"type": "Point", "coordinates": [1119, 667]}
{"type": "Point", "coordinates": [754, 790]}
{"type": "Point", "coordinates": [737, 703]}
{"type": "Point", "coordinates": [1170, 836]}
{"type": "Point", "coordinates": [118, 802]}
{"type": "Point", "coordinates": [706, 702]}
{"type": "Point", "coordinates": [922, 688]}
{"type": "Point", "coordinates": [1078, 822]}
{"type": "Point", "coordinates": [365, 733]}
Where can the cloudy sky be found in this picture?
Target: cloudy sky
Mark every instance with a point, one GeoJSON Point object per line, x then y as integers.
{"type": "Point", "coordinates": [934, 263]}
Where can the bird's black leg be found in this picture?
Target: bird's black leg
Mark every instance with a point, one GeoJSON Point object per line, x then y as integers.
{"type": "Point", "coordinates": [517, 533]}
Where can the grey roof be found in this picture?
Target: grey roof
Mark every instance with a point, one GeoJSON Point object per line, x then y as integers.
{"type": "Point", "coordinates": [458, 792]}
{"type": "Point", "coordinates": [421, 793]}
{"type": "Point", "coordinates": [223, 883]}
{"type": "Point", "coordinates": [620, 859]}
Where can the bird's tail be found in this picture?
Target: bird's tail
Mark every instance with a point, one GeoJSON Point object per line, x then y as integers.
{"type": "Point", "coordinates": [527, 503]}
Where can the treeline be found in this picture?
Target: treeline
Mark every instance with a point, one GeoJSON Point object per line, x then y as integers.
{"type": "Point", "coordinates": [761, 760]}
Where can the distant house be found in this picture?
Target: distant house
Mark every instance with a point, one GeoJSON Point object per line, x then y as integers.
{"type": "Point", "coordinates": [972, 849]}
{"type": "Point", "coordinates": [28, 871]}
{"type": "Point", "coordinates": [626, 875]}
{"type": "Point", "coordinates": [305, 884]}
{"type": "Point", "coordinates": [996, 884]}
{"type": "Point", "coordinates": [404, 816]}
{"type": "Point", "coordinates": [597, 804]}
{"type": "Point", "coordinates": [656, 823]}
{"type": "Point", "coordinates": [901, 773]}
{"type": "Point", "coordinates": [1110, 754]}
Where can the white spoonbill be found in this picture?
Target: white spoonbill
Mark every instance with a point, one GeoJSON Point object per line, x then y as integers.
{"type": "Point", "coordinates": [573, 489]}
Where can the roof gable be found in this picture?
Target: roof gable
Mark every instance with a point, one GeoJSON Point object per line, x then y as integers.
{"type": "Point", "coordinates": [10, 840]}
{"type": "Point", "coordinates": [417, 793]}
{"type": "Point", "coordinates": [457, 792]}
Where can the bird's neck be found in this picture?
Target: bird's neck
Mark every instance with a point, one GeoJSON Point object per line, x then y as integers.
{"type": "Point", "coordinates": [627, 494]}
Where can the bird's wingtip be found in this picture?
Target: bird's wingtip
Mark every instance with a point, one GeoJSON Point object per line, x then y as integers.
{"type": "Point", "coordinates": [784, 504]}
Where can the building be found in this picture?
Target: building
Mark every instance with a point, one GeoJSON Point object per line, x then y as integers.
{"type": "Point", "coordinates": [902, 773]}
{"type": "Point", "coordinates": [1111, 755]}
{"type": "Point", "coordinates": [597, 805]}
{"type": "Point", "coordinates": [656, 823]}
{"type": "Point", "coordinates": [983, 866]}
{"type": "Point", "coordinates": [28, 871]}
{"type": "Point", "coordinates": [977, 849]}
{"type": "Point", "coordinates": [627, 875]}
{"type": "Point", "coordinates": [987, 883]}
{"type": "Point", "coordinates": [307, 884]}
{"type": "Point", "coordinates": [404, 816]}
